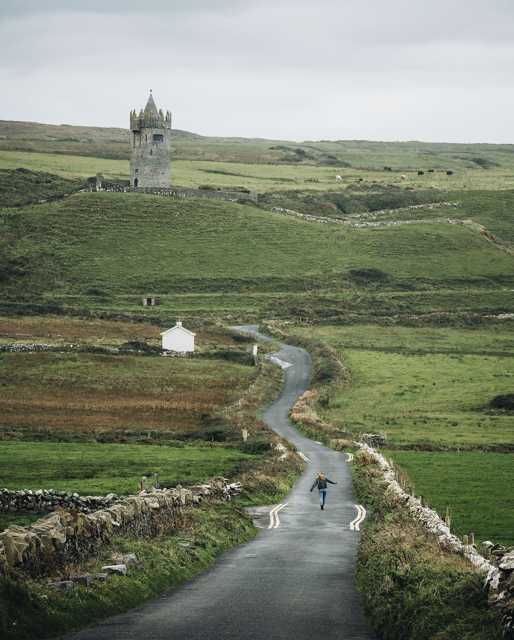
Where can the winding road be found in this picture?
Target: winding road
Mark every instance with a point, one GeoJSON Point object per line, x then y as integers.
{"type": "Point", "coordinates": [295, 580]}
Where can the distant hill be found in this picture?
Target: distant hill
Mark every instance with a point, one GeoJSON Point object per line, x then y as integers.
{"type": "Point", "coordinates": [101, 142]}
{"type": "Point", "coordinates": [111, 142]}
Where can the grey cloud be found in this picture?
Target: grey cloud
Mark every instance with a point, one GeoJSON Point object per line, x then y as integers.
{"type": "Point", "coordinates": [340, 68]}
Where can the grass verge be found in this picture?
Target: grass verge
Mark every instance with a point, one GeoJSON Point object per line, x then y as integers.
{"type": "Point", "coordinates": [31, 610]}
{"type": "Point", "coordinates": [412, 590]}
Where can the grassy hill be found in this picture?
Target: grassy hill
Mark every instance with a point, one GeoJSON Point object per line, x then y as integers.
{"type": "Point", "coordinates": [21, 186]}
{"type": "Point", "coordinates": [105, 250]}
{"type": "Point", "coordinates": [104, 142]}
{"type": "Point", "coordinates": [111, 142]}
{"type": "Point", "coordinates": [417, 306]}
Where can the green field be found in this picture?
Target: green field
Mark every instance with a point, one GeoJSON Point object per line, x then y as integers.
{"type": "Point", "coordinates": [99, 250]}
{"type": "Point", "coordinates": [400, 156]}
{"type": "Point", "coordinates": [473, 485]}
{"type": "Point", "coordinates": [265, 177]}
{"type": "Point", "coordinates": [423, 386]}
{"type": "Point", "coordinates": [491, 208]}
{"type": "Point", "coordinates": [496, 338]}
{"type": "Point", "coordinates": [101, 468]}
{"type": "Point", "coordinates": [412, 309]}
{"type": "Point", "coordinates": [430, 388]}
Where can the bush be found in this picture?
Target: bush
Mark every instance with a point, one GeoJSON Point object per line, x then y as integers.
{"type": "Point", "coordinates": [503, 402]}
{"type": "Point", "coordinates": [95, 291]}
{"type": "Point", "coordinates": [369, 275]}
{"type": "Point", "coordinates": [231, 355]}
{"type": "Point", "coordinates": [259, 446]}
{"type": "Point", "coordinates": [136, 345]}
{"type": "Point", "coordinates": [240, 337]}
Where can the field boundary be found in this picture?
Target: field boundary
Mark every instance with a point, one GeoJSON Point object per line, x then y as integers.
{"type": "Point", "coordinates": [66, 537]}
{"type": "Point", "coordinates": [180, 192]}
{"type": "Point", "coordinates": [427, 517]}
{"type": "Point", "coordinates": [347, 221]}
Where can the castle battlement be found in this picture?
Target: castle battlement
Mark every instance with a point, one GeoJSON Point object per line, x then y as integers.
{"type": "Point", "coordinates": [144, 120]}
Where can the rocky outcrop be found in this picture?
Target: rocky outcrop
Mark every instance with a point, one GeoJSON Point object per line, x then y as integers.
{"type": "Point", "coordinates": [69, 537]}
{"type": "Point", "coordinates": [121, 566]}
{"type": "Point", "coordinates": [47, 500]}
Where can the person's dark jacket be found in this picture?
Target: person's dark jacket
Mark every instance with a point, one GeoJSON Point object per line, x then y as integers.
{"type": "Point", "coordinates": [321, 484]}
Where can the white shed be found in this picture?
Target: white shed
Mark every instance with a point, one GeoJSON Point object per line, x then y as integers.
{"type": "Point", "coordinates": [178, 338]}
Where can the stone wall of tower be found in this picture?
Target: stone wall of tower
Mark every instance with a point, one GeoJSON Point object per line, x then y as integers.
{"type": "Point", "coordinates": [150, 157]}
{"type": "Point", "coordinates": [150, 132]}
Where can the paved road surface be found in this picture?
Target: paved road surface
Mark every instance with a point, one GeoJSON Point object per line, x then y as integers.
{"type": "Point", "coordinates": [294, 581]}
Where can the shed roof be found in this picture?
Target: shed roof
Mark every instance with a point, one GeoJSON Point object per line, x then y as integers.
{"type": "Point", "coordinates": [178, 327]}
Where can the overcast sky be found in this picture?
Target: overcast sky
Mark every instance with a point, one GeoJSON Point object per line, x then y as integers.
{"type": "Point", "coordinates": [440, 70]}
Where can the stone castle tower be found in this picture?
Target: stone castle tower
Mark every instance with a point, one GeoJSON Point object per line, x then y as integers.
{"type": "Point", "coordinates": [150, 147]}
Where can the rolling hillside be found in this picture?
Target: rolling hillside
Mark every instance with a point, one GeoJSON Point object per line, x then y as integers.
{"type": "Point", "coordinates": [104, 142]}
{"type": "Point", "coordinates": [411, 283]}
{"type": "Point", "coordinates": [106, 250]}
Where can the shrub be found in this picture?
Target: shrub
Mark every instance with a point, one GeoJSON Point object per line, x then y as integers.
{"type": "Point", "coordinates": [231, 355]}
{"type": "Point", "coordinates": [503, 402]}
{"type": "Point", "coordinates": [485, 163]}
{"type": "Point", "coordinates": [136, 345]}
{"type": "Point", "coordinates": [258, 446]}
{"type": "Point", "coordinates": [369, 276]}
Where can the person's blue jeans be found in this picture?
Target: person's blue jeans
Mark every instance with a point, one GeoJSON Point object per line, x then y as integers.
{"type": "Point", "coordinates": [322, 497]}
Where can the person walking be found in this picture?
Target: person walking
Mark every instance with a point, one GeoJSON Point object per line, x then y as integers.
{"type": "Point", "coordinates": [322, 483]}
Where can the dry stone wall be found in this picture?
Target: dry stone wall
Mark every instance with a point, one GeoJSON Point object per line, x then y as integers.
{"type": "Point", "coordinates": [46, 500]}
{"type": "Point", "coordinates": [66, 537]}
{"type": "Point", "coordinates": [501, 595]}
{"type": "Point", "coordinates": [183, 192]}
{"type": "Point", "coordinates": [429, 518]}
{"type": "Point", "coordinates": [496, 563]}
{"type": "Point", "coordinates": [26, 347]}
{"type": "Point", "coordinates": [369, 220]}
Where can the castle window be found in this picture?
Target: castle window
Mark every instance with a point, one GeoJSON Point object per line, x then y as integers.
{"type": "Point", "coordinates": [158, 137]}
